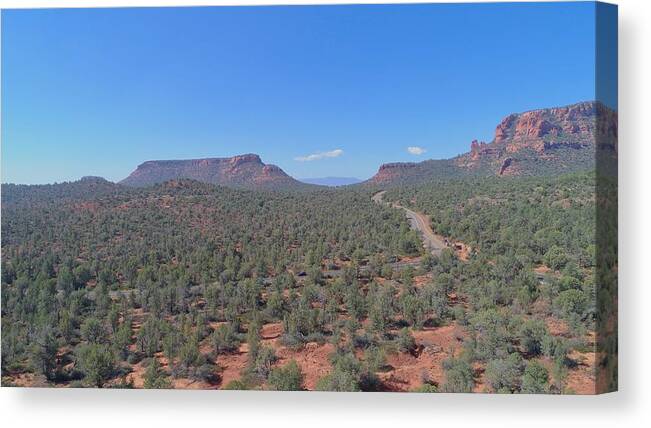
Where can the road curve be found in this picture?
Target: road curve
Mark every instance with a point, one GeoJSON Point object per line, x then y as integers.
{"type": "Point", "coordinates": [419, 222]}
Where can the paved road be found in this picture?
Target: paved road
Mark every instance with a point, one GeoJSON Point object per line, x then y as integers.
{"type": "Point", "coordinates": [419, 222]}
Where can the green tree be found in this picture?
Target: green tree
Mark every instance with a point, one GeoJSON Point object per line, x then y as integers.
{"type": "Point", "coordinates": [155, 377]}
{"type": "Point", "coordinates": [44, 354]}
{"type": "Point", "coordinates": [96, 362]}
{"type": "Point", "coordinates": [189, 355]}
{"type": "Point", "coordinates": [122, 340]}
{"type": "Point", "coordinates": [225, 339]}
{"type": "Point", "coordinates": [149, 336]}
{"type": "Point", "coordinates": [93, 331]}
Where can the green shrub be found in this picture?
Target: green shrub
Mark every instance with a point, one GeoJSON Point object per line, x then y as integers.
{"type": "Point", "coordinates": [535, 379]}
{"type": "Point", "coordinates": [459, 376]}
{"type": "Point", "coordinates": [287, 378]}
{"type": "Point", "coordinates": [504, 375]}
{"type": "Point", "coordinates": [427, 388]}
{"type": "Point", "coordinates": [236, 385]}
{"type": "Point", "coordinates": [225, 339]}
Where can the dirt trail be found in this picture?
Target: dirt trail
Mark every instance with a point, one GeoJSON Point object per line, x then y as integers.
{"type": "Point", "coordinates": [419, 222]}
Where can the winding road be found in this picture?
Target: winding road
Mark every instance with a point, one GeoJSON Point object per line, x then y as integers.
{"type": "Point", "coordinates": [419, 222]}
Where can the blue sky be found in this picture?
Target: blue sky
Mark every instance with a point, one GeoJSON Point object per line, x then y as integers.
{"type": "Point", "coordinates": [318, 91]}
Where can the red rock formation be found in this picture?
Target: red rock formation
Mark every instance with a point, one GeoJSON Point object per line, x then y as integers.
{"type": "Point", "coordinates": [574, 124]}
{"type": "Point", "coordinates": [505, 164]}
{"type": "Point", "coordinates": [391, 171]}
{"type": "Point", "coordinates": [529, 142]}
{"type": "Point", "coordinates": [577, 126]}
{"type": "Point", "coordinates": [238, 171]}
{"type": "Point", "coordinates": [482, 149]}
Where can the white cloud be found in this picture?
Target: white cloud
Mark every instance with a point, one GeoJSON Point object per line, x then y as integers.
{"type": "Point", "coordinates": [415, 150]}
{"type": "Point", "coordinates": [321, 155]}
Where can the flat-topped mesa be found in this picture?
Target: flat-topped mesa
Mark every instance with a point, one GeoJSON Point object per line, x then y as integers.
{"type": "Point", "coordinates": [391, 171]}
{"type": "Point", "coordinates": [247, 171]}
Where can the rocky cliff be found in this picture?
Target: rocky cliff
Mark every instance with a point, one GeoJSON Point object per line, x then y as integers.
{"type": "Point", "coordinates": [544, 141]}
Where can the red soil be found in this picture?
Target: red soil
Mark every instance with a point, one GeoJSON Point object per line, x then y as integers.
{"type": "Point", "coordinates": [435, 344]}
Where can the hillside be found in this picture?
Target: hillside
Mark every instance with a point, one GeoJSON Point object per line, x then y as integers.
{"type": "Point", "coordinates": [189, 285]}
{"type": "Point", "coordinates": [82, 189]}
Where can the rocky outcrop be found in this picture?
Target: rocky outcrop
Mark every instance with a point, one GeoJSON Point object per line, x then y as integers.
{"type": "Point", "coordinates": [545, 136]}
{"type": "Point", "coordinates": [482, 150]}
{"type": "Point", "coordinates": [392, 171]}
{"type": "Point", "coordinates": [544, 141]}
{"type": "Point", "coordinates": [505, 164]}
{"type": "Point", "coordinates": [545, 129]}
{"type": "Point", "coordinates": [246, 171]}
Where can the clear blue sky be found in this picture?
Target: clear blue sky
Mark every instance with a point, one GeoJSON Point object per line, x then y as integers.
{"type": "Point", "coordinates": [98, 91]}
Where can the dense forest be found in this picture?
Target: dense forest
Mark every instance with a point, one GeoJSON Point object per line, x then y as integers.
{"type": "Point", "coordinates": [186, 284]}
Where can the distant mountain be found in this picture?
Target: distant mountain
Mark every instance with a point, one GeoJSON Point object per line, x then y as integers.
{"type": "Point", "coordinates": [331, 181]}
{"type": "Point", "coordinates": [243, 171]}
{"type": "Point", "coordinates": [537, 142]}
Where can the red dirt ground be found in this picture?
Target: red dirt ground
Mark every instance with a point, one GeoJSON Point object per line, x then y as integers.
{"type": "Point", "coordinates": [435, 345]}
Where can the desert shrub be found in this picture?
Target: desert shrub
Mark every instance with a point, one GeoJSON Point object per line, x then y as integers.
{"type": "Point", "coordinates": [287, 378]}
{"type": "Point", "coordinates": [554, 347]}
{"type": "Point", "coordinates": [458, 375]}
{"type": "Point", "coordinates": [405, 341]}
{"type": "Point", "coordinates": [535, 379]}
{"type": "Point", "coordinates": [531, 334]}
{"type": "Point", "coordinates": [460, 315]}
{"type": "Point", "coordinates": [275, 305]}
{"type": "Point", "coordinates": [225, 339]}
{"type": "Point", "coordinates": [571, 304]}
{"type": "Point", "coordinates": [426, 388]}
{"type": "Point", "coordinates": [386, 271]}
{"type": "Point", "coordinates": [492, 336]}
{"type": "Point", "coordinates": [236, 385]}
{"type": "Point", "coordinates": [345, 376]}
{"type": "Point", "coordinates": [263, 362]}
{"type": "Point", "coordinates": [375, 358]}
{"type": "Point", "coordinates": [363, 340]}
{"type": "Point", "coordinates": [338, 381]}
{"type": "Point", "coordinates": [504, 375]}
{"type": "Point", "coordinates": [556, 258]}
